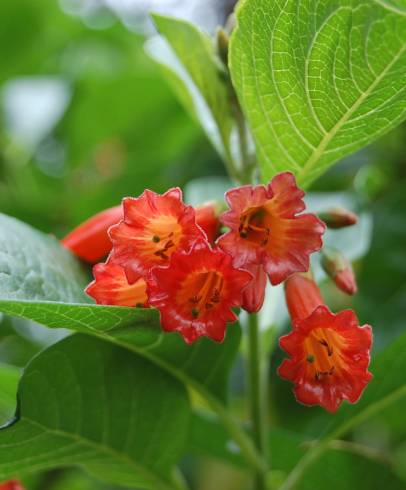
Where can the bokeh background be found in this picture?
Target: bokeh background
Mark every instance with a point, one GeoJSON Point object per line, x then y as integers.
{"type": "Point", "coordinates": [86, 118]}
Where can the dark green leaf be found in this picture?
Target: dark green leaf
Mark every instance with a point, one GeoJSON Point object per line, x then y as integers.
{"type": "Point", "coordinates": [318, 79]}
{"type": "Point", "coordinates": [85, 402]}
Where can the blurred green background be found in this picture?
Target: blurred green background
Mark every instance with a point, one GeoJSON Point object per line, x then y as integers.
{"type": "Point", "coordinates": [86, 118]}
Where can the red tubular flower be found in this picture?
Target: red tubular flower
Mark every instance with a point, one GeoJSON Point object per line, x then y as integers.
{"type": "Point", "coordinates": [111, 287]}
{"type": "Point", "coordinates": [90, 240]}
{"type": "Point", "coordinates": [11, 485]}
{"type": "Point", "coordinates": [207, 219]}
{"type": "Point", "coordinates": [266, 229]}
{"type": "Point", "coordinates": [329, 353]}
{"type": "Point", "coordinates": [196, 292]}
{"type": "Point", "coordinates": [154, 226]}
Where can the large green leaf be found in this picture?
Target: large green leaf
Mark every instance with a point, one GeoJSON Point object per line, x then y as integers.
{"type": "Point", "coordinates": [204, 366]}
{"type": "Point", "coordinates": [318, 79]}
{"type": "Point", "coordinates": [386, 390]}
{"type": "Point", "coordinates": [89, 403]}
{"type": "Point", "coordinates": [188, 59]}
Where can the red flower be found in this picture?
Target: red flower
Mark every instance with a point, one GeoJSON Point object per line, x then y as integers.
{"type": "Point", "coordinates": [154, 226]}
{"type": "Point", "coordinates": [90, 241]}
{"type": "Point", "coordinates": [11, 485]}
{"type": "Point", "coordinates": [111, 287]}
{"type": "Point", "coordinates": [207, 219]}
{"type": "Point", "coordinates": [266, 229]}
{"type": "Point", "coordinates": [196, 292]}
{"type": "Point", "coordinates": [329, 353]}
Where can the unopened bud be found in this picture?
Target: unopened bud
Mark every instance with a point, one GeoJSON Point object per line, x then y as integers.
{"type": "Point", "coordinates": [339, 268]}
{"type": "Point", "coordinates": [223, 41]}
{"type": "Point", "coordinates": [338, 218]}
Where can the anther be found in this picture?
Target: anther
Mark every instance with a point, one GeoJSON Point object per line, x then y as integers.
{"type": "Point", "coordinates": [310, 358]}
{"type": "Point", "coordinates": [156, 239]}
{"type": "Point", "coordinates": [195, 312]}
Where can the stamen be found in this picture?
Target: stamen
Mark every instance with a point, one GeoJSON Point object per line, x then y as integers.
{"type": "Point", "coordinates": [195, 312]}
{"type": "Point", "coordinates": [156, 239]}
{"type": "Point", "coordinates": [310, 358]}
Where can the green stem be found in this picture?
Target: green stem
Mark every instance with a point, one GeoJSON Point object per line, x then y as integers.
{"type": "Point", "coordinates": [257, 397]}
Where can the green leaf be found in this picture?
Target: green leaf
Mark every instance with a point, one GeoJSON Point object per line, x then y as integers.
{"type": "Point", "coordinates": [190, 63]}
{"type": "Point", "coordinates": [205, 366]}
{"type": "Point", "coordinates": [35, 266]}
{"type": "Point", "coordinates": [318, 79]}
{"type": "Point", "coordinates": [387, 389]}
{"type": "Point", "coordinates": [86, 402]}
{"type": "Point", "coordinates": [9, 377]}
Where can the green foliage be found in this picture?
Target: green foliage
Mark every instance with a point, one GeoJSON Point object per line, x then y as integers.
{"type": "Point", "coordinates": [9, 376]}
{"type": "Point", "coordinates": [190, 63]}
{"type": "Point", "coordinates": [318, 79]}
{"type": "Point", "coordinates": [88, 403]}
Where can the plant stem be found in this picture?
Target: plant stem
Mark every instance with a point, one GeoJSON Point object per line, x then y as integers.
{"type": "Point", "coordinates": [257, 397]}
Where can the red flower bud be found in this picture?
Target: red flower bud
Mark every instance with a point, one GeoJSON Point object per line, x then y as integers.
{"type": "Point", "coordinates": [253, 295]}
{"type": "Point", "coordinates": [207, 219]}
{"type": "Point", "coordinates": [338, 218]}
{"type": "Point", "coordinates": [90, 240]}
{"type": "Point", "coordinates": [11, 485]}
{"type": "Point", "coordinates": [329, 353]}
{"type": "Point", "coordinates": [338, 267]}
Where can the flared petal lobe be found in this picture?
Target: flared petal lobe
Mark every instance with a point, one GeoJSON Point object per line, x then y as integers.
{"type": "Point", "coordinates": [329, 358]}
{"type": "Point", "coordinates": [266, 229]}
{"type": "Point", "coordinates": [196, 291]}
{"type": "Point", "coordinates": [111, 287]}
{"type": "Point", "coordinates": [90, 240]}
{"type": "Point", "coordinates": [154, 226]}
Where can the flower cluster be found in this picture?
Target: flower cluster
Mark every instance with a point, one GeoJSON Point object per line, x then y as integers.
{"type": "Point", "coordinates": [167, 255]}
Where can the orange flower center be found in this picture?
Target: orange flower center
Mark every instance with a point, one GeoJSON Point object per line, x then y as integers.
{"type": "Point", "coordinates": [201, 292]}
{"type": "Point", "coordinates": [161, 238]}
{"type": "Point", "coordinates": [255, 225]}
{"type": "Point", "coordinates": [322, 353]}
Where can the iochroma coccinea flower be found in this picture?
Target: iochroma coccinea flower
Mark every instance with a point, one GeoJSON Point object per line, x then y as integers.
{"type": "Point", "coordinates": [153, 227]}
{"type": "Point", "coordinates": [329, 353]}
{"type": "Point", "coordinates": [196, 291]}
{"type": "Point", "coordinates": [90, 240]}
{"type": "Point", "coordinates": [11, 485]}
{"type": "Point", "coordinates": [266, 229]}
{"type": "Point", "coordinates": [111, 287]}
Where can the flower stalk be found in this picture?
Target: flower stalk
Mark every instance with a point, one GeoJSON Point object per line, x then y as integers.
{"type": "Point", "coordinates": [257, 397]}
